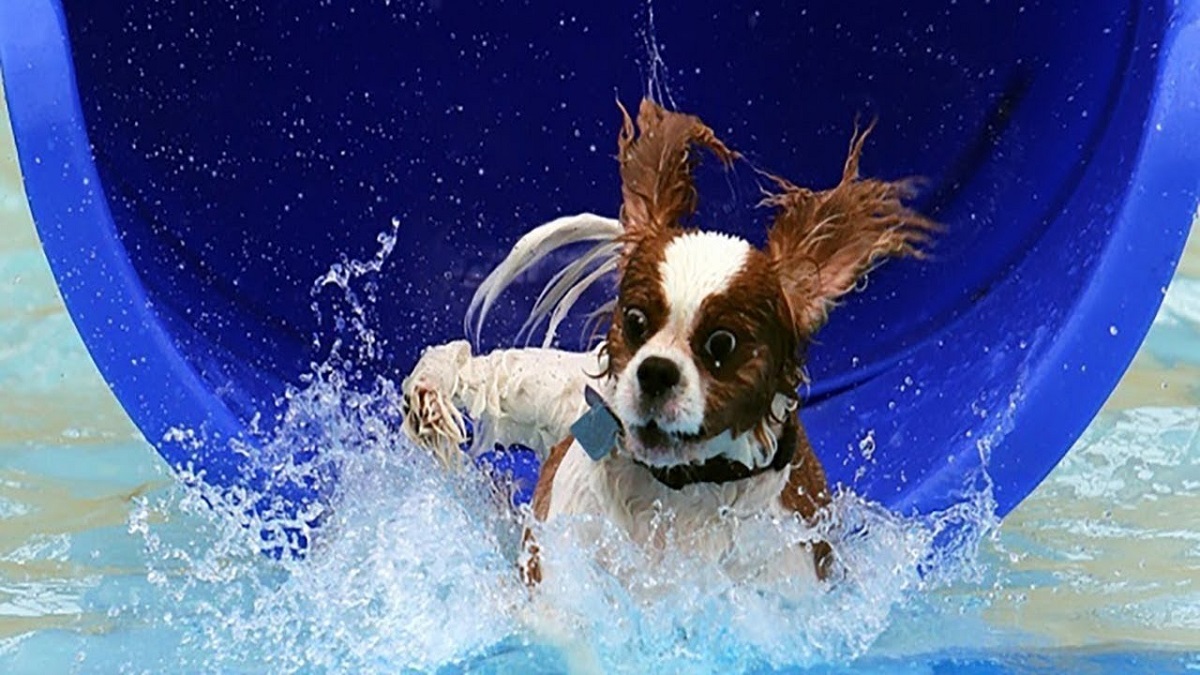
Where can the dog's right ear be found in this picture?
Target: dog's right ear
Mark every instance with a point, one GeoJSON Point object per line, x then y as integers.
{"type": "Point", "coordinates": [656, 169]}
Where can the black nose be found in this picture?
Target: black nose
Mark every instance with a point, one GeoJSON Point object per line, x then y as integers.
{"type": "Point", "coordinates": [657, 375]}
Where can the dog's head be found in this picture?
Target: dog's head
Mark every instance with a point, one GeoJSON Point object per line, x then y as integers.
{"type": "Point", "coordinates": [706, 341]}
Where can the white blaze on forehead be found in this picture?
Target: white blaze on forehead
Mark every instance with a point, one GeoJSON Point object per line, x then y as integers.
{"type": "Point", "coordinates": [697, 265]}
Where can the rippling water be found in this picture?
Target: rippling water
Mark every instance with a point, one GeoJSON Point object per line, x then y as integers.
{"type": "Point", "coordinates": [107, 565]}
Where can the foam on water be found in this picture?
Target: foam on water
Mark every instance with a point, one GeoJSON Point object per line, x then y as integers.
{"type": "Point", "coordinates": [414, 568]}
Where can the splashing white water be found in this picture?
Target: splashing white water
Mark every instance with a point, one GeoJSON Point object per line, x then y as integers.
{"type": "Point", "coordinates": [416, 569]}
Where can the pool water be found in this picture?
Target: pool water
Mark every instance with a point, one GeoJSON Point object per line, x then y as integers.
{"type": "Point", "coordinates": [107, 564]}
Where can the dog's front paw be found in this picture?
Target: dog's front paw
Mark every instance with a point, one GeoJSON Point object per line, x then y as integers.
{"type": "Point", "coordinates": [432, 422]}
{"type": "Point", "coordinates": [431, 418]}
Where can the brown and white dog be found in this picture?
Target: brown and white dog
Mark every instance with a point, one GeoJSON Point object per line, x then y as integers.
{"type": "Point", "coordinates": [703, 357]}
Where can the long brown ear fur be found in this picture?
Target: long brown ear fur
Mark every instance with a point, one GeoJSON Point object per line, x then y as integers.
{"type": "Point", "coordinates": [656, 169]}
{"type": "Point", "coordinates": [823, 242]}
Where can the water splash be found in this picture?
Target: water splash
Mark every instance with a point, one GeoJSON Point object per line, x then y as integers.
{"type": "Point", "coordinates": [352, 315]}
{"type": "Point", "coordinates": [658, 86]}
{"type": "Point", "coordinates": [415, 569]}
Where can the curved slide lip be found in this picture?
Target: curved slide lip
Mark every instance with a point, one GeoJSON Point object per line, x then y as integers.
{"type": "Point", "coordinates": [105, 296]}
{"type": "Point", "coordinates": [1109, 320]}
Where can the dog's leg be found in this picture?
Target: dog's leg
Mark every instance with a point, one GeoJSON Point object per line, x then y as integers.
{"type": "Point", "coordinates": [527, 396]}
{"type": "Point", "coordinates": [807, 494]}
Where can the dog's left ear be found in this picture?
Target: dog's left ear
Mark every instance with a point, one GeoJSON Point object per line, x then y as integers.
{"type": "Point", "coordinates": [656, 163]}
{"type": "Point", "coordinates": [822, 243]}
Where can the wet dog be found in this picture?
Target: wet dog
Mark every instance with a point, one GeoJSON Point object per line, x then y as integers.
{"type": "Point", "coordinates": [689, 406]}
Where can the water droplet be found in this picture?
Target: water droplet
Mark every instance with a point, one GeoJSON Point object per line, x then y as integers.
{"type": "Point", "coordinates": [867, 445]}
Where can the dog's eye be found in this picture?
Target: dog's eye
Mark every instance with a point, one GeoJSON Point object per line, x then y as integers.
{"type": "Point", "coordinates": [635, 325]}
{"type": "Point", "coordinates": [720, 345]}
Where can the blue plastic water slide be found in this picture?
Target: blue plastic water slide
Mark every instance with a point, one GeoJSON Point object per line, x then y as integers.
{"type": "Point", "coordinates": [194, 166]}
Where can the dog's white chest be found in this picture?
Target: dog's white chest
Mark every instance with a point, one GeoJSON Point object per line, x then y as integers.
{"type": "Point", "coordinates": [701, 517]}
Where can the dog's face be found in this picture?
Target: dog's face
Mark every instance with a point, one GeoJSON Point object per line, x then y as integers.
{"type": "Point", "coordinates": [705, 340]}
{"type": "Point", "coordinates": [701, 344]}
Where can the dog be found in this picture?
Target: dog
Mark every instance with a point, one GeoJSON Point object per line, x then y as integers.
{"type": "Point", "coordinates": [689, 405]}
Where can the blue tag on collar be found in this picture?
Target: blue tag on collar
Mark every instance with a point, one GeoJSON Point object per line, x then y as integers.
{"type": "Point", "coordinates": [597, 431]}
